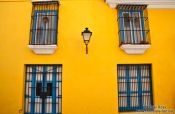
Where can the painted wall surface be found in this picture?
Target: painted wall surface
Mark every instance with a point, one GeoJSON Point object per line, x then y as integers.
{"type": "Point", "coordinates": [89, 81]}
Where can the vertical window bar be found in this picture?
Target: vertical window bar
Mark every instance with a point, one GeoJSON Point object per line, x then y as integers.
{"type": "Point", "coordinates": [128, 87]}
{"type": "Point", "coordinates": [54, 90]}
{"type": "Point", "coordinates": [33, 89]}
{"type": "Point", "coordinates": [44, 89]}
{"type": "Point", "coordinates": [150, 82]}
{"type": "Point", "coordinates": [140, 87]}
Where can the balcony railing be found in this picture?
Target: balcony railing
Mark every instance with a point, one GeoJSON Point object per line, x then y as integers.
{"type": "Point", "coordinates": [44, 23]}
{"type": "Point", "coordinates": [134, 35]}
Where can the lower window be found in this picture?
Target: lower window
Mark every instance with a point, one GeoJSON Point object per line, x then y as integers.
{"type": "Point", "coordinates": [43, 89]}
{"type": "Point", "coordinates": [134, 87]}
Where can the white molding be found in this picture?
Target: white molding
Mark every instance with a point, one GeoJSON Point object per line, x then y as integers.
{"type": "Point", "coordinates": [43, 49]}
{"type": "Point", "coordinates": [135, 48]}
{"type": "Point", "coordinates": [150, 3]}
{"type": "Point", "coordinates": [45, 0]}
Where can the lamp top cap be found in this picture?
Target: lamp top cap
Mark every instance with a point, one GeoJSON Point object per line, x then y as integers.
{"type": "Point", "coordinates": [87, 30]}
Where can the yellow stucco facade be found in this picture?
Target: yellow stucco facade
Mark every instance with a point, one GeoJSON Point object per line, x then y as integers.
{"type": "Point", "coordinates": [89, 84]}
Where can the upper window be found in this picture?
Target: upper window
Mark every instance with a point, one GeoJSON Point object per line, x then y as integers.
{"type": "Point", "coordinates": [44, 23]}
{"type": "Point", "coordinates": [133, 28]}
{"type": "Point", "coordinates": [133, 24]}
{"type": "Point", "coordinates": [134, 87]}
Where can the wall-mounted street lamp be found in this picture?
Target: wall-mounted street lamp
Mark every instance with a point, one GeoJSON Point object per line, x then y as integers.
{"type": "Point", "coordinates": [86, 37]}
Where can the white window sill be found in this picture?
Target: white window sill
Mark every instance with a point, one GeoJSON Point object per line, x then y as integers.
{"type": "Point", "coordinates": [45, 0]}
{"type": "Point", "coordinates": [150, 3]}
{"type": "Point", "coordinates": [135, 48]}
{"type": "Point", "coordinates": [43, 49]}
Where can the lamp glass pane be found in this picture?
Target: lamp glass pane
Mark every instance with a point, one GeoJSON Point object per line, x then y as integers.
{"type": "Point", "coordinates": [86, 36]}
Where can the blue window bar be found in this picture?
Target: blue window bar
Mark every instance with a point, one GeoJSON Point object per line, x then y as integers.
{"type": "Point", "coordinates": [134, 87]}
{"type": "Point", "coordinates": [133, 24]}
{"type": "Point", "coordinates": [44, 23]}
{"type": "Point", "coordinates": [43, 89]}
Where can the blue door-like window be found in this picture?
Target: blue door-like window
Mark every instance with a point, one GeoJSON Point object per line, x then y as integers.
{"type": "Point", "coordinates": [44, 23]}
{"type": "Point", "coordinates": [43, 89]}
{"type": "Point", "coordinates": [134, 88]}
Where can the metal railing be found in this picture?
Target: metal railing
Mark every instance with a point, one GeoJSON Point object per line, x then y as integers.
{"type": "Point", "coordinates": [133, 27]}
{"type": "Point", "coordinates": [44, 22]}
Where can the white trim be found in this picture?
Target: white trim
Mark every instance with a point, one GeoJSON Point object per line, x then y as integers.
{"type": "Point", "coordinates": [45, 0]}
{"type": "Point", "coordinates": [43, 49]}
{"type": "Point", "coordinates": [135, 48]}
{"type": "Point", "coordinates": [150, 3]}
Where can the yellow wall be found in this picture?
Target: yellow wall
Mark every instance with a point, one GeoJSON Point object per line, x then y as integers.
{"type": "Point", "coordinates": [89, 81]}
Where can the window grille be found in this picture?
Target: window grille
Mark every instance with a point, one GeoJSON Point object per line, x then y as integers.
{"type": "Point", "coordinates": [44, 23]}
{"type": "Point", "coordinates": [43, 89]}
{"type": "Point", "coordinates": [133, 24]}
{"type": "Point", "coordinates": [134, 87]}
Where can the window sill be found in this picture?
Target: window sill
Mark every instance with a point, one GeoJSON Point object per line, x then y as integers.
{"type": "Point", "coordinates": [135, 48]}
{"type": "Point", "coordinates": [43, 49]}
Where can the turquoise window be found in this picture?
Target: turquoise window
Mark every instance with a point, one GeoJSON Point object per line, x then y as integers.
{"type": "Point", "coordinates": [133, 24]}
{"type": "Point", "coordinates": [43, 89]}
{"type": "Point", "coordinates": [44, 23]}
{"type": "Point", "coordinates": [134, 87]}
